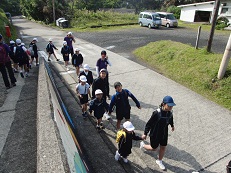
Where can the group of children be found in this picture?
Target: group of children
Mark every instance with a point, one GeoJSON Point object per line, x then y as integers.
{"type": "Point", "coordinates": [156, 127]}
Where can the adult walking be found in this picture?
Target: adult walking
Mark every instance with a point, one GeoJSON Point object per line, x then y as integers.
{"type": "Point", "coordinates": [69, 39]}
{"type": "Point", "coordinates": [6, 63]}
{"type": "Point", "coordinates": [157, 125]}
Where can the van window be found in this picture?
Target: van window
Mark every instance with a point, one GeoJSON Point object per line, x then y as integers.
{"type": "Point", "coordinates": [162, 15]}
{"type": "Point", "coordinates": [156, 17]}
{"type": "Point", "coordinates": [171, 17]}
{"type": "Point", "coordinates": [145, 16]}
{"type": "Point", "coordinates": [149, 17]}
{"type": "Point", "coordinates": [140, 15]}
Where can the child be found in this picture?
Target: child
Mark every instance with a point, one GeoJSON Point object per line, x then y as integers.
{"type": "Point", "coordinates": [120, 100]}
{"type": "Point", "coordinates": [99, 106]}
{"type": "Point", "coordinates": [12, 56]}
{"type": "Point", "coordinates": [87, 73]}
{"type": "Point", "coordinates": [65, 51]}
{"type": "Point", "coordinates": [124, 139]}
{"type": "Point", "coordinates": [77, 60]}
{"type": "Point", "coordinates": [35, 51]}
{"type": "Point", "coordinates": [50, 49]}
{"type": "Point", "coordinates": [83, 90]}
{"type": "Point", "coordinates": [21, 54]}
{"type": "Point", "coordinates": [157, 125]}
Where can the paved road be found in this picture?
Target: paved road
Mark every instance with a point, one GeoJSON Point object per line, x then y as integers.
{"type": "Point", "coordinates": [202, 137]}
{"type": "Point", "coordinates": [125, 41]}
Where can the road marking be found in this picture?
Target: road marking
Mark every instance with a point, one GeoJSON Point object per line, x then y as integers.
{"type": "Point", "coordinates": [110, 47]}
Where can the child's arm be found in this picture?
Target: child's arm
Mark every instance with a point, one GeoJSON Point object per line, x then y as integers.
{"type": "Point", "coordinates": [55, 47]}
{"type": "Point", "coordinates": [89, 92]}
{"type": "Point", "coordinates": [172, 123]}
{"type": "Point", "coordinates": [133, 98]}
{"type": "Point", "coordinates": [137, 138]}
{"type": "Point", "coordinates": [91, 106]}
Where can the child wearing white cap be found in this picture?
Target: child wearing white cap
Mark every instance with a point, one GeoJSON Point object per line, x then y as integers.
{"type": "Point", "coordinates": [82, 90]}
{"type": "Point", "coordinates": [88, 73]}
{"type": "Point", "coordinates": [77, 60]}
{"type": "Point", "coordinates": [35, 51]}
{"type": "Point", "coordinates": [65, 51]}
{"type": "Point", "coordinates": [50, 49]}
{"type": "Point", "coordinates": [99, 106]}
{"type": "Point", "coordinates": [124, 139]}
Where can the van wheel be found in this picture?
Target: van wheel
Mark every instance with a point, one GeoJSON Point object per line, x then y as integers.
{"type": "Point", "coordinates": [168, 25]}
{"type": "Point", "coordinates": [149, 26]}
{"type": "Point", "coordinates": [141, 24]}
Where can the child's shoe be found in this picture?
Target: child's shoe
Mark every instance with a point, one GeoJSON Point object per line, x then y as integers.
{"type": "Point", "coordinates": [101, 125]}
{"type": "Point", "coordinates": [117, 156]}
{"type": "Point", "coordinates": [160, 164]}
{"type": "Point", "coordinates": [125, 160]}
{"type": "Point", "coordinates": [97, 127]}
{"type": "Point", "coordinates": [142, 146]}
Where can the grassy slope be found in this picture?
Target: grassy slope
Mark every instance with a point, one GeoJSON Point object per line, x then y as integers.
{"type": "Point", "coordinates": [192, 68]}
{"type": "Point", "coordinates": [4, 21]}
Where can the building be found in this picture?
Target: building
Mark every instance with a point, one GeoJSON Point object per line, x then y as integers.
{"type": "Point", "coordinates": [202, 12]}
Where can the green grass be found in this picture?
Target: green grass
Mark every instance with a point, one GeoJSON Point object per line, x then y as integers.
{"type": "Point", "coordinates": [204, 27]}
{"type": "Point", "coordinates": [192, 68]}
{"type": "Point", "coordinates": [3, 22]}
{"type": "Point", "coordinates": [84, 19]}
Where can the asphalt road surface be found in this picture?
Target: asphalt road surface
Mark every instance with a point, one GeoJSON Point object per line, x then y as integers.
{"type": "Point", "coordinates": [125, 41]}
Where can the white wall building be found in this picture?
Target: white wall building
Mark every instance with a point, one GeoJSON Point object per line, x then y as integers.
{"type": "Point", "coordinates": [202, 12]}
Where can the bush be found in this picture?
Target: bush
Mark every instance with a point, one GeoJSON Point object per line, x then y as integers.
{"type": "Point", "coordinates": [221, 23]}
{"type": "Point", "coordinates": [175, 10]}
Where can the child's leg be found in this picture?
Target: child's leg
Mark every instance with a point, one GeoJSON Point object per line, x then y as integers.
{"type": "Point", "coordinates": [99, 121]}
{"type": "Point", "coordinates": [118, 124]}
{"type": "Point", "coordinates": [55, 56]}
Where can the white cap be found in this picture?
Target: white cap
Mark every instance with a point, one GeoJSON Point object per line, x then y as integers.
{"type": "Point", "coordinates": [64, 43]}
{"type": "Point", "coordinates": [103, 70]}
{"type": "Point", "coordinates": [98, 91]}
{"type": "Point", "coordinates": [50, 39]}
{"type": "Point", "coordinates": [18, 41]}
{"type": "Point", "coordinates": [12, 42]}
{"type": "Point", "coordinates": [23, 44]}
{"type": "Point", "coordinates": [77, 49]}
{"type": "Point", "coordinates": [35, 39]}
{"type": "Point", "coordinates": [69, 33]}
{"type": "Point", "coordinates": [83, 78]}
{"type": "Point", "coordinates": [128, 126]}
{"type": "Point", "coordinates": [86, 67]}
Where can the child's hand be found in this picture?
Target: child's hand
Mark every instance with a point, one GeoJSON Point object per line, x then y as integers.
{"type": "Point", "coordinates": [144, 137]}
{"type": "Point", "coordinates": [173, 128]}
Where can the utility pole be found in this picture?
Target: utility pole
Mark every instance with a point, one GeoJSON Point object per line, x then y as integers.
{"type": "Point", "coordinates": [225, 60]}
{"type": "Point", "coordinates": [214, 19]}
{"type": "Point", "coordinates": [53, 3]}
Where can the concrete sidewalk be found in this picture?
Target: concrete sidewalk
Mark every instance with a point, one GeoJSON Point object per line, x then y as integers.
{"type": "Point", "coordinates": [202, 137]}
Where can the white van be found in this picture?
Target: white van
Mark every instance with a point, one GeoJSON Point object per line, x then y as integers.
{"type": "Point", "coordinates": [168, 19]}
{"type": "Point", "coordinates": [150, 19]}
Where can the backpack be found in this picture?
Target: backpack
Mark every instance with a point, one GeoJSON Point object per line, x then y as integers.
{"type": "Point", "coordinates": [19, 53]}
{"type": "Point", "coordinates": [3, 55]}
{"type": "Point", "coordinates": [119, 135]}
{"type": "Point", "coordinates": [48, 47]}
{"type": "Point", "coordinates": [159, 115]}
{"type": "Point", "coordinates": [31, 50]}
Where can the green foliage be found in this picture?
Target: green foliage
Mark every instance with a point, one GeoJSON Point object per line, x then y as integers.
{"type": "Point", "coordinates": [42, 10]}
{"type": "Point", "coordinates": [175, 10]}
{"type": "Point", "coordinates": [85, 19]}
{"type": "Point", "coordinates": [3, 22]}
{"type": "Point", "coordinates": [195, 69]}
{"type": "Point", "coordinates": [12, 6]}
{"type": "Point", "coordinates": [221, 23]}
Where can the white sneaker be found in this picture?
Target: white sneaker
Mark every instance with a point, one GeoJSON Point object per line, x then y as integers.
{"type": "Point", "coordinates": [125, 160]}
{"type": "Point", "coordinates": [160, 164]}
{"type": "Point", "coordinates": [117, 156]}
{"type": "Point", "coordinates": [141, 144]}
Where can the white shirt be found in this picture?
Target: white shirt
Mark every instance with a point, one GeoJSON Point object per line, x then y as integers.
{"type": "Point", "coordinates": [82, 89]}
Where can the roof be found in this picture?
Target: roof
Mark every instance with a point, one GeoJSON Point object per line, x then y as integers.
{"type": "Point", "coordinates": [195, 4]}
{"type": "Point", "coordinates": [164, 12]}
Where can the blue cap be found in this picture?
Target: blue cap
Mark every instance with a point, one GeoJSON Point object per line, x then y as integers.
{"type": "Point", "coordinates": [169, 101]}
{"type": "Point", "coordinates": [0, 36]}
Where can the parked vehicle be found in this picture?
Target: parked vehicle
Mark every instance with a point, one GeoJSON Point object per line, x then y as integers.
{"type": "Point", "coordinates": [168, 19]}
{"type": "Point", "coordinates": [149, 19]}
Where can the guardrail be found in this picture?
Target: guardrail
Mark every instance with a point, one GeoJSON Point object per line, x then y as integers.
{"type": "Point", "coordinates": [65, 128]}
